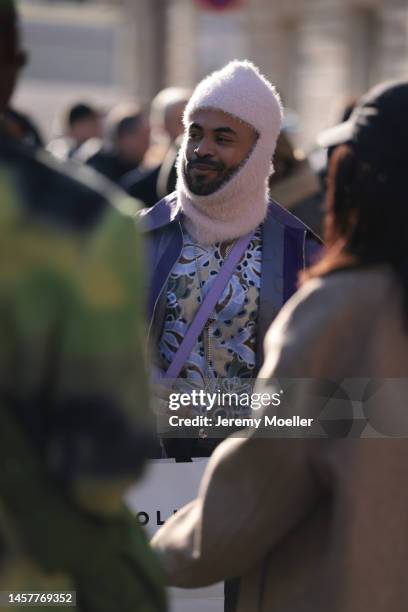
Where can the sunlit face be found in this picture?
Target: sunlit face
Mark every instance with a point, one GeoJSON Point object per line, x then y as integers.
{"type": "Point", "coordinates": [217, 145]}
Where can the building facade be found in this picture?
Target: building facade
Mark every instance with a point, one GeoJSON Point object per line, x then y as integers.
{"type": "Point", "coordinates": [319, 53]}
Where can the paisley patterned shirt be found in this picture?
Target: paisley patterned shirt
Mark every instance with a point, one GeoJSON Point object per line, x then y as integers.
{"type": "Point", "coordinates": [227, 346]}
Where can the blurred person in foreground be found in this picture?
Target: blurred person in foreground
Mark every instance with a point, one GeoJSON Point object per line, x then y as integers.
{"type": "Point", "coordinates": [74, 424]}
{"type": "Point", "coordinates": [222, 206]}
{"type": "Point", "coordinates": [321, 524]}
{"type": "Point", "coordinates": [127, 140]}
{"type": "Point", "coordinates": [166, 120]}
{"type": "Point", "coordinates": [82, 124]}
{"type": "Point", "coordinates": [20, 126]}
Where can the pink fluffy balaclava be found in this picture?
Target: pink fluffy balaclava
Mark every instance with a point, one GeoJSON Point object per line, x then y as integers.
{"type": "Point", "coordinates": [240, 204]}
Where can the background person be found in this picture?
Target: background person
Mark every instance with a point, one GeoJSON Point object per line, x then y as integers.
{"type": "Point", "coordinates": [126, 142]}
{"type": "Point", "coordinates": [82, 123]}
{"type": "Point", "coordinates": [295, 185]}
{"type": "Point", "coordinates": [166, 113]}
{"type": "Point", "coordinates": [166, 120]}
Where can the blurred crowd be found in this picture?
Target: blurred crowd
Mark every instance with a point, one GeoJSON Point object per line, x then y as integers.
{"type": "Point", "coordinates": [137, 148]}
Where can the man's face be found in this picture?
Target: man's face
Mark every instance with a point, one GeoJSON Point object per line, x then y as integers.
{"type": "Point", "coordinates": [217, 145]}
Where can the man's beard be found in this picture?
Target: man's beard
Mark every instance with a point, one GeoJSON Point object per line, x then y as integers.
{"type": "Point", "coordinates": [199, 185]}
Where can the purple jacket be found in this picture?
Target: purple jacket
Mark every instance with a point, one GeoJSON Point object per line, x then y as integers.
{"type": "Point", "coordinates": [288, 247]}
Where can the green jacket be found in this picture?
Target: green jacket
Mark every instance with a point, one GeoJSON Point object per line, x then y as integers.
{"type": "Point", "coordinates": [75, 426]}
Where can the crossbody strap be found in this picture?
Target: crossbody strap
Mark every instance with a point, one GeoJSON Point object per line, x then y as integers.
{"type": "Point", "coordinates": [207, 307]}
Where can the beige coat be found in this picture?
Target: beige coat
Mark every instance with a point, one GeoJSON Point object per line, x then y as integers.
{"type": "Point", "coordinates": [310, 525]}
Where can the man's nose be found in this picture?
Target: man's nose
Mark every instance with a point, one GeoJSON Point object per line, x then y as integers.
{"type": "Point", "coordinates": [204, 148]}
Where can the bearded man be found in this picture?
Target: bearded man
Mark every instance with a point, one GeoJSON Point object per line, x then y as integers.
{"type": "Point", "coordinates": [232, 123]}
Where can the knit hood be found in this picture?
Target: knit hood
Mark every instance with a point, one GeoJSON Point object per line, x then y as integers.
{"type": "Point", "coordinates": [240, 204]}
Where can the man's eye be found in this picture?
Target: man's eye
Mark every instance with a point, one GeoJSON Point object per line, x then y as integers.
{"type": "Point", "coordinates": [194, 135]}
{"type": "Point", "coordinates": [222, 140]}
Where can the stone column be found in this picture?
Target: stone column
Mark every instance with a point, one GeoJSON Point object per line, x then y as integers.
{"type": "Point", "coordinates": [181, 44]}
{"type": "Point", "coordinates": [302, 46]}
{"type": "Point", "coordinates": [393, 40]}
{"type": "Point", "coordinates": [143, 47]}
{"type": "Point", "coordinates": [266, 40]}
{"type": "Point", "coordinates": [322, 74]}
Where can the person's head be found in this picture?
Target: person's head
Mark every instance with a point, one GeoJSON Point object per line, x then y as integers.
{"type": "Point", "coordinates": [12, 58]}
{"type": "Point", "coordinates": [286, 158]}
{"type": "Point", "coordinates": [231, 113]}
{"type": "Point", "coordinates": [231, 122]}
{"type": "Point", "coordinates": [82, 123]}
{"type": "Point", "coordinates": [129, 132]}
{"type": "Point", "coordinates": [217, 145]}
{"type": "Point", "coordinates": [166, 114]}
{"type": "Point", "coordinates": [367, 212]}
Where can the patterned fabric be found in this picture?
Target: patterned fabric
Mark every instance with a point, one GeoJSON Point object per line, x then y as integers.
{"type": "Point", "coordinates": [227, 347]}
{"type": "Point", "coordinates": [75, 426]}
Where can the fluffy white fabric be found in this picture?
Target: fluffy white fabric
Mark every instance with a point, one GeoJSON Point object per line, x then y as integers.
{"type": "Point", "coordinates": [239, 205]}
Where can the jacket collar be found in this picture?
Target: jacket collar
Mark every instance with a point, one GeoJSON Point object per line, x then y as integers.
{"type": "Point", "coordinates": [161, 214]}
{"type": "Point", "coordinates": [168, 210]}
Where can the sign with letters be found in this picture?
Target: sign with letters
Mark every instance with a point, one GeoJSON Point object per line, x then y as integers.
{"type": "Point", "coordinates": [167, 487]}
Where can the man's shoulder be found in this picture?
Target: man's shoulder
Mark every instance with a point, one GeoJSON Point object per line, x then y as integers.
{"type": "Point", "coordinates": [101, 154]}
{"type": "Point", "coordinates": [138, 177]}
{"type": "Point", "coordinates": [286, 218]}
{"type": "Point", "coordinates": [66, 194]}
{"type": "Point", "coordinates": [142, 185]}
{"type": "Point", "coordinates": [161, 214]}
{"type": "Point", "coordinates": [53, 259]}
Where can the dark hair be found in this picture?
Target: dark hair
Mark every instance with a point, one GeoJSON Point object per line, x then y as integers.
{"type": "Point", "coordinates": [366, 216]}
{"type": "Point", "coordinates": [8, 28]}
{"type": "Point", "coordinates": [80, 111]}
{"type": "Point", "coordinates": [123, 118]}
{"type": "Point", "coordinates": [125, 125]}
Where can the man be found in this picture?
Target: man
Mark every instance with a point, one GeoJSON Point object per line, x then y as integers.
{"type": "Point", "coordinates": [166, 119]}
{"type": "Point", "coordinates": [166, 114]}
{"type": "Point", "coordinates": [128, 137]}
{"type": "Point", "coordinates": [74, 425]}
{"type": "Point", "coordinates": [295, 184]}
{"type": "Point", "coordinates": [232, 122]}
{"type": "Point", "coordinates": [82, 124]}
